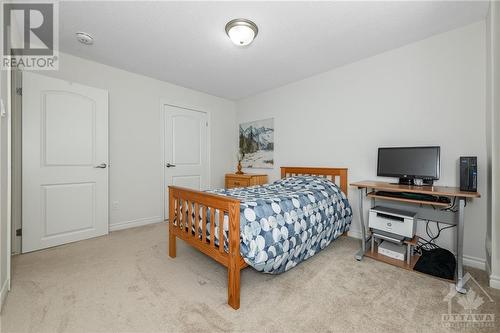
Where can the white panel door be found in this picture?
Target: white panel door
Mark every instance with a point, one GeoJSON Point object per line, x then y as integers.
{"type": "Point", "coordinates": [65, 157]}
{"type": "Point", "coordinates": [186, 149]}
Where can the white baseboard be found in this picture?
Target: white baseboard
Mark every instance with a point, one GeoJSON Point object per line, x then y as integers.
{"type": "Point", "coordinates": [475, 262]}
{"type": "Point", "coordinates": [135, 223]}
{"type": "Point", "coordinates": [495, 282]}
{"type": "Point", "coordinates": [468, 260]}
{"type": "Point", "coordinates": [3, 293]}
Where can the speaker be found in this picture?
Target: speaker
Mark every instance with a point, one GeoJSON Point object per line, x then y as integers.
{"type": "Point", "coordinates": [468, 173]}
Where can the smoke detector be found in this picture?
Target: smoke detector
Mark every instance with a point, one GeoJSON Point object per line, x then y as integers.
{"type": "Point", "coordinates": [84, 38]}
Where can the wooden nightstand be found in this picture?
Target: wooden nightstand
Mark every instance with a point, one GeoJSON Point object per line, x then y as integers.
{"type": "Point", "coordinates": [247, 179]}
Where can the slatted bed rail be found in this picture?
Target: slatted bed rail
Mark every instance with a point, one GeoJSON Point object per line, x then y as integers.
{"type": "Point", "coordinates": [189, 214]}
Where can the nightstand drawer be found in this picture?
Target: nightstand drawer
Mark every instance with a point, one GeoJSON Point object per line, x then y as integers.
{"type": "Point", "coordinates": [244, 180]}
{"type": "Point", "coordinates": [235, 182]}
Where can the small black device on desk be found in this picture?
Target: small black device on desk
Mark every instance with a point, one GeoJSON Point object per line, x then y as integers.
{"type": "Point", "coordinates": [414, 196]}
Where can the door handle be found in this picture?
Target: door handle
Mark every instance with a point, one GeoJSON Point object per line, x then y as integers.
{"type": "Point", "coordinates": [101, 166]}
{"type": "Point", "coordinates": [168, 165]}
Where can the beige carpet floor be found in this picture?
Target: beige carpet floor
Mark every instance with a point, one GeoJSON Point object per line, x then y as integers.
{"type": "Point", "coordinates": [125, 282]}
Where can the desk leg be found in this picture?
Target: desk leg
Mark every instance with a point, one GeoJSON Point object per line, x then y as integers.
{"type": "Point", "coordinates": [460, 247]}
{"type": "Point", "coordinates": [408, 254]}
{"type": "Point", "coordinates": [359, 255]}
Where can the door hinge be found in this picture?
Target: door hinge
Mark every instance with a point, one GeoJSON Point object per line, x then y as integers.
{"type": "Point", "coordinates": [19, 91]}
{"type": "Point", "coordinates": [19, 232]}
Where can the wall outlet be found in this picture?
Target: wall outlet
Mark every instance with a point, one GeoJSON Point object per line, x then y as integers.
{"type": "Point", "coordinates": [115, 205]}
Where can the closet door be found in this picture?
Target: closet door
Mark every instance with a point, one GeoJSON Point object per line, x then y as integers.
{"type": "Point", "coordinates": [186, 149]}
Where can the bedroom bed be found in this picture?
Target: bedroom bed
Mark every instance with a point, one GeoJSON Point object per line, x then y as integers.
{"type": "Point", "coordinates": [270, 227]}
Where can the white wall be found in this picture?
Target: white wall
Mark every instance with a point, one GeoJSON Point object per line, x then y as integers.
{"type": "Point", "coordinates": [493, 143]}
{"type": "Point", "coordinates": [431, 92]}
{"type": "Point", "coordinates": [136, 168]}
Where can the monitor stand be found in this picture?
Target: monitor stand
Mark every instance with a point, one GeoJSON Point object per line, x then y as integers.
{"type": "Point", "coordinates": [406, 181]}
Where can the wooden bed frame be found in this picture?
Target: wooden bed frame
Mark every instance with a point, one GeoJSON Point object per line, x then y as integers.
{"type": "Point", "coordinates": [231, 207]}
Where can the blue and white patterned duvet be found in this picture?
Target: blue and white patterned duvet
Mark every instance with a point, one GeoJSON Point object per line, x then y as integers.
{"type": "Point", "coordinates": [288, 221]}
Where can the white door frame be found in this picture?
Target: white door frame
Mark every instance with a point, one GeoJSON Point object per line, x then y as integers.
{"type": "Point", "coordinates": [6, 249]}
{"type": "Point", "coordinates": [164, 102]}
{"type": "Point", "coordinates": [16, 159]}
{"type": "Point", "coordinates": [9, 178]}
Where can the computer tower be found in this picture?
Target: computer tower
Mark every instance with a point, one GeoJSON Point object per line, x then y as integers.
{"type": "Point", "coordinates": [468, 173]}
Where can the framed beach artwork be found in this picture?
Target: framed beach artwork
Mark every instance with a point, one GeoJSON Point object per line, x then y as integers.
{"type": "Point", "coordinates": [257, 144]}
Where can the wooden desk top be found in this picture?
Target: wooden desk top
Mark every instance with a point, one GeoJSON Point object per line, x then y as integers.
{"type": "Point", "coordinates": [432, 190]}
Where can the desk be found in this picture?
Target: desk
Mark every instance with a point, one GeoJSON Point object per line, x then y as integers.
{"type": "Point", "coordinates": [452, 192]}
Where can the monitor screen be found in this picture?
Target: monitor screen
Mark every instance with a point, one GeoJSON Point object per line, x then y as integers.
{"type": "Point", "coordinates": [411, 162]}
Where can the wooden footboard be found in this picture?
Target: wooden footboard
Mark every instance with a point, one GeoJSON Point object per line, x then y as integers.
{"type": "Point", "coordinates": [192, 229]}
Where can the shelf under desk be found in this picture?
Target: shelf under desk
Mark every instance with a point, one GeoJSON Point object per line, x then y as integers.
{"type": "Point", "coordinates": [388, 260]}
{"type": "Point", "coordinates": [395, 262]}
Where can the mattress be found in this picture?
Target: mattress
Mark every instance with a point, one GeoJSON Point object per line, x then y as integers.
{"type": "Point", "coordinates": [286, 222]}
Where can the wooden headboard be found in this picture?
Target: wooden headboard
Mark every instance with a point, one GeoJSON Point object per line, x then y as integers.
{"type": "Point", "coordinates": [330, 173]}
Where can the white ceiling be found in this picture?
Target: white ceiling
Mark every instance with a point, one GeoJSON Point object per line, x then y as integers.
{"type": "Point", "coordinates": [185, 43]}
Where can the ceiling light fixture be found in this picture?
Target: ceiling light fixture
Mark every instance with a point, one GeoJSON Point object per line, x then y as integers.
{"type": "Point", "coordinates": [84, 38]}
{"type": "Point", "coordinates": [241, 31]}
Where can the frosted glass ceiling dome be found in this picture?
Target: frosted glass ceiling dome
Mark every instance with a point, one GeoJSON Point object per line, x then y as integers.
{"type": "Point", "coordinates": [241, 31]}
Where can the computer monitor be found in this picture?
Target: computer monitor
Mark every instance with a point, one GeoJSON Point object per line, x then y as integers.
{"type": "Point", "coordinates": [409, 163]}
